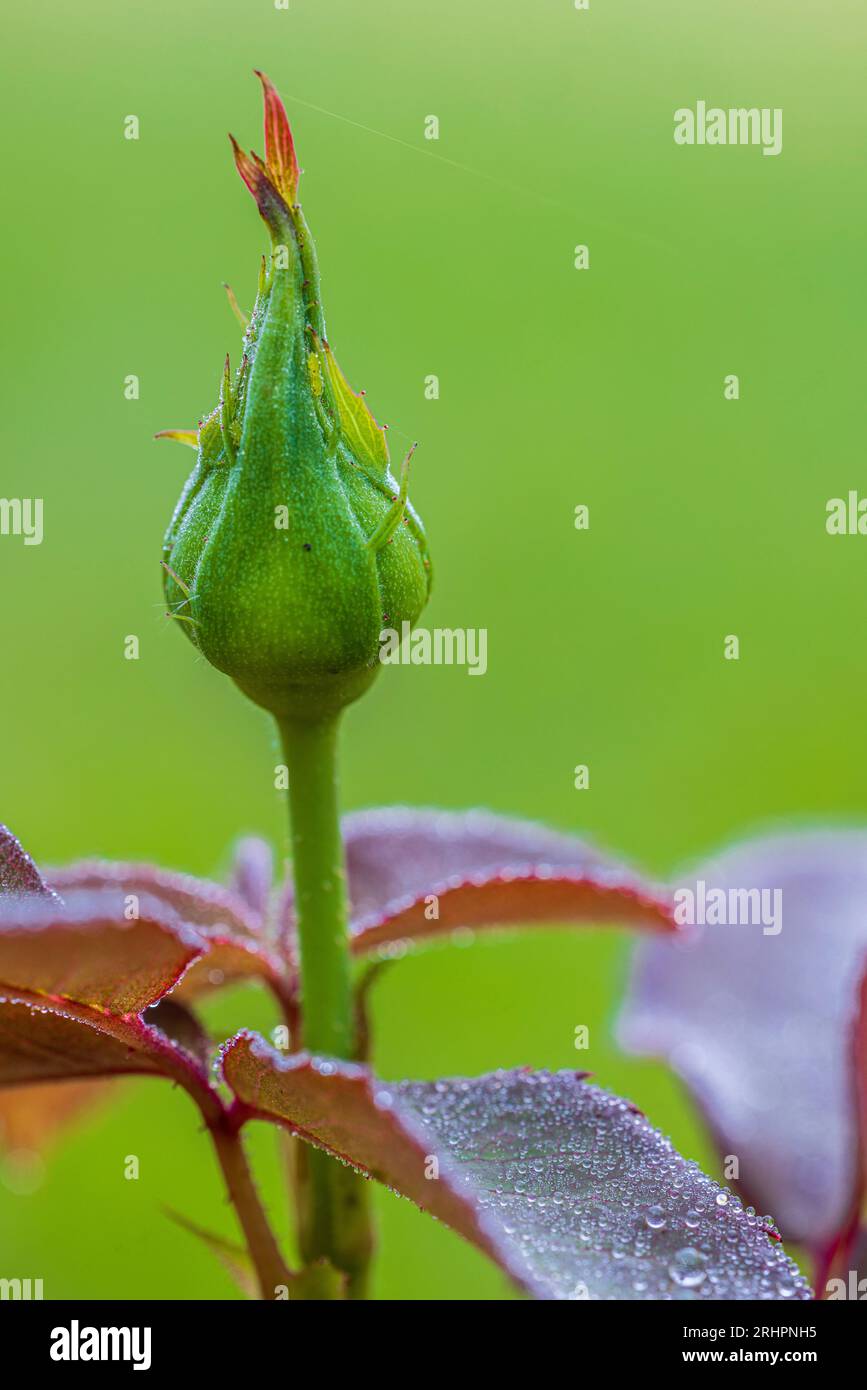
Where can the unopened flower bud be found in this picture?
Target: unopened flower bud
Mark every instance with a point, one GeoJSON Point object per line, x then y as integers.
{"type": "Point", "coordinates": [292, 545]}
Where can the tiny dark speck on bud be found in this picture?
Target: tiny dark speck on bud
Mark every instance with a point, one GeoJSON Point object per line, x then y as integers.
{"type": "Point", "coordinates": [307, 546]}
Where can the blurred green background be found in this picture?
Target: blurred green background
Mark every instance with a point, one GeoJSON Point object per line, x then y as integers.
{"type": "Point", "coordinates": [557, 387]}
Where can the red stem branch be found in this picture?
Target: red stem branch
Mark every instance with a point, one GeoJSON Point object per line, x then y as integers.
{"type": "Point", "coordinates": [271, 1272]}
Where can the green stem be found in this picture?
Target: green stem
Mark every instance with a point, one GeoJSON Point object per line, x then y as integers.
{"type": "Point", "coordinates": [320, 887]}
{"type": "Point", "coordinates": [333, 1216]}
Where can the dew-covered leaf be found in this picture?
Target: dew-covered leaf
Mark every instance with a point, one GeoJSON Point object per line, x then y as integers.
{"type": "Point", "coordinates": [566, 1187]}
{"type": "Point", "coordinates": [195, 900]}
{"type": "Point", "coordinates": [84, 950]}
{"type": "Point", "coordinates": [32, 1115]}
{"type": "Point", "coordinates": [18, 873]}
{"type": "Point", "coordinates": [43, 1040]}
{"type": "Point", "coordinates": [417, 874]}
{"type": "Point", "coordinates": [227, 960]}
{"type": "Point", "coordinates": [47, 1040]}
{"type": "Point", "coordinates": [228, 925]}
{"type": "Point", "coordinates": [74, 978]}
{"type": "Point", "coordinates": [759, 1017]}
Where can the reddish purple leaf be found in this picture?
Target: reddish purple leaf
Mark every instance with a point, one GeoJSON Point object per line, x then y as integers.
{"type": "Point", "coordinates": [252, 875]}
{"type": "Point", "coordinates": [85, 950]}
{"type": "Point", "coordinates": [760, 1023]}
{"type": "Point", "coordinates": [567, 1188]}
{"type": "Point", "coordinates": [483, 871]}
{"type": "Point", "coordinates": [18, 873]}
{"type": "Point", "coordinates": [74, 979]}
{"type": "Point", "coordinates": [31, 1114]}
{"type": "Point", "coordinates": [46, 1040]}
{"type": "Point", "coordinates": [229, 959]}
{"type": "Point", "coordinates": [227, 925]}
{"type": "Point", "coordinates": [78, 974]}
{"type": "Point", "coordinates": [195, 900]}
{"type": "Point", "coordinates": [180, 1025]}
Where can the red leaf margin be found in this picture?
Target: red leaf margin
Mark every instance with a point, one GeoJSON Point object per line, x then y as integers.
{"type": "Point", "coordinates": [230, 929]}
{"type": "Point", "coordinates": [492, 871]}
{"type": "Point", "coordinates": [75, 951]}
{"type": "Point", "coordinates": [109, 1045]}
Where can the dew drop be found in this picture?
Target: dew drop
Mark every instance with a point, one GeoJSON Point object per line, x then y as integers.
{"type": "Point", "coordinates": [688, 1268]}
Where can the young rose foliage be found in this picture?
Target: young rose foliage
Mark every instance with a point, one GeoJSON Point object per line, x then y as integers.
{"type": "Point", "coordinates": [85, 994]}
{"type": "Point", "coordinates": [292, 544]}
{"type": "Point", "coordinates": [767, 1027]}
{"type": "Point", "coordinates": [194, 936]}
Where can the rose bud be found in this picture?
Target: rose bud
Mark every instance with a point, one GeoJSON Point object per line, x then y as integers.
{"type": "Point", "coordinates": [292, 545]}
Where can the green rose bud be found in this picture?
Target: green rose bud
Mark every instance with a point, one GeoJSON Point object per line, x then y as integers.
{"type": "Point", "coordinates": [292, 544]}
